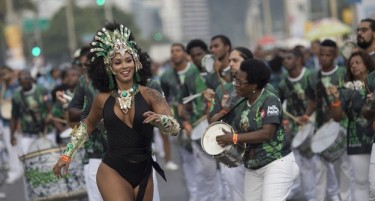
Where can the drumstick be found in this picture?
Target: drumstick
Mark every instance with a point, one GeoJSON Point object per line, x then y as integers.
{"type": "Point", "coordinates": [290, 116]}
{"type": "Point", "coordinates": [363, 79]}
{"type": "Point", "coordinates": [63, 121]}
{"type": "Point", "coordinates": [220, 81]}
{"type": "Point", "coordinates": [190, 98]}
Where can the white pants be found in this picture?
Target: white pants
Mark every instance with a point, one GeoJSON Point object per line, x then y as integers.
{"type": "Point", "coordinates": [30, 143]}
{"type": "Point", "coordinates": [305, 182]}
{"type": "Point", "coordinates": [190, 175]}
{"type": "Point", "coordinates": [360, 164]}
{"type": "Point", "coordinates": [14, 164]}
{"type": "Point", "coordinates": [207, 180]}
{"type": "Point", "coordinates": [372, 174]}
{"type": "Point", "coordinates": [342, 173]}
{"type": "Point", "coordinates": [91, 170]}
{"type": "Point", "coordinates": [272, 182]}
{"type": "Point", "coordinates": [233, 180]}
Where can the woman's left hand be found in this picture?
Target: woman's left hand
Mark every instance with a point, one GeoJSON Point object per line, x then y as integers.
{"type": "Point", "coordinates": [226, 139]}
{"type": "Point", "coordinates": [151, 117]}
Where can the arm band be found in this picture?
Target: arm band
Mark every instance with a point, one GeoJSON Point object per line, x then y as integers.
{"type": "Point", "coordinates": [77, 137]}
{"type": "Point", "coordinates": [168, 125]}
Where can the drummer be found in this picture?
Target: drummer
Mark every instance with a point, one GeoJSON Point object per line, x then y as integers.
{"type": "Point", "coordinates": [30, 105]}
{"type": "Point", "coordinates": [207, 180]}
{"type": "Point", "coordinates": [224, 102]}
{"type": "Point", "coordinates": [292, 90]}
{"type": "Point", "coordinates": [371, 99]}
{"type": "Point", "coordinates": [348, 102]}
{"type": "Point", "coordinates": [330, 74]}
{"type": "Point", "coordinates": [269, 162]}
{"type": "Point", "coordinates": [70, 79]}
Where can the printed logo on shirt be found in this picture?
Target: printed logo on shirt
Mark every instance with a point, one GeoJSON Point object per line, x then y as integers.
{"type": "Point", "coordinates": [272, 111]}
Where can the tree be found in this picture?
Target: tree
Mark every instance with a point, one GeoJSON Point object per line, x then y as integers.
{"type": "Point", "coordinates": [87, 22]}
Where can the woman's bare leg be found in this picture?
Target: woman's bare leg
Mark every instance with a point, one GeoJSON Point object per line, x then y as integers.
{"type": "Point", "coordinates": [149, 190]}
{"type": "Point", "coordinates": [112, 186]}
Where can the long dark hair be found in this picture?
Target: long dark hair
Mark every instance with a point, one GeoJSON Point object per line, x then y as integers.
{"type": "Point", "coordinates": [97, 71]}
{"type": "Point", "coordinates": [367, 61]}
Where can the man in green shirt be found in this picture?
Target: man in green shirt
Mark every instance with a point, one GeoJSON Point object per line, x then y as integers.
{"type": "Point", "coordinates": [30, 107]}
{"type": "Point", "coordinates": [330, 74]}
{"type": "Point", "coordinates": [207, 180]}
{"type": "Point", "coordinates": [171, 82]}
{"type": "Point", "coordinates": [292, 89]}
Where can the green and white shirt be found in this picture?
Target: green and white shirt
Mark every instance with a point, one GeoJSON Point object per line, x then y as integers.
{"type": "Point", "coordinates": [359, 130]}
{"type": "Point", "coordinates": [35, 103]}
{"type": "Point", "coordinates": [317, 91]}
{"type": "Point", "coordinates": [293, 91]}
{"type": "Point", "coordinates": [265, 110]}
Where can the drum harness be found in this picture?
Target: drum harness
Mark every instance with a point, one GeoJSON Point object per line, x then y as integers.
{"type": "Point", "coordinates": [299, 109]}
{"type": "Point", "coordinates": [297, 103]}
{"type": "Point", "coordinates": [321, 93]}
{"type": "Point", "coordinates": [40, 125]}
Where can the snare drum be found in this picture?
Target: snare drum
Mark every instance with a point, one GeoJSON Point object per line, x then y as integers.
{"type": "Point", "coordinates": [302, 140]}
{"type": "Point", "coordinates": [230, 155]}
{"type": "Point", "coordinates": [329, 141]}
{"type": "Point", "coordinates": [42, 184]}
{"type": "Point", "coordinates": [65, 136]}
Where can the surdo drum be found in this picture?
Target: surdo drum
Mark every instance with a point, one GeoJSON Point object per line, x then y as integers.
{"type": "Point", "coordinates": [230, 155]}
{"type": "Point", "coordinates": [42, 184]}
{"type": "Point", "coordinates": [302, 140]}
{"type": "Point", "coordinates": [329, 141]}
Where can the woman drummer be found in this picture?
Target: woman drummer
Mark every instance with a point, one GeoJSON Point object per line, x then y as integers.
{"type": "Point", "coordinates": [348, 103]}
{"type": "Point", "coordinates": [269, 162]}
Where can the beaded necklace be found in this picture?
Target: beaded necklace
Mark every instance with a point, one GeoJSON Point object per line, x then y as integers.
{"type": "Point", "coordinates": [126, 97]}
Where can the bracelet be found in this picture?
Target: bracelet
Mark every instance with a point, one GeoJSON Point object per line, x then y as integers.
{"type": "Point", "coordinates": [224, 111]}
{"type": "Point", "coordinates": [65, 158]}
{"type": "Point", "coordinates": [187, 125]}
{"type": "Point", "coordinates": [235, 138]}
{"type": "Point", "coordinates": [336, 104]}
{"type": "Point", "coordinates": [306, 117]}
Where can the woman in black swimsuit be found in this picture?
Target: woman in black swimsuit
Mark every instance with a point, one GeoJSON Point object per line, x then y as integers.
{"type": "Point", "coordinates": [118, 69]}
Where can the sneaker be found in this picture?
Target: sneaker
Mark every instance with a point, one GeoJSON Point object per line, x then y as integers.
{"type": "Point", "coordinates": [2, 195]}
{"type": "Point", "coordinates": [170, 165]}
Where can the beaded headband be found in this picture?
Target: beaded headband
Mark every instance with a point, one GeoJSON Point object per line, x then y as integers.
{"type": "Point", "coordinates": [108, 43]}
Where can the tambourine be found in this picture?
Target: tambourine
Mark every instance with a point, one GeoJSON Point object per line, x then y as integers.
{"type": "Point", "coordinates": [208, 62]}
{"type": "Point", "coordinates": [347, 48]}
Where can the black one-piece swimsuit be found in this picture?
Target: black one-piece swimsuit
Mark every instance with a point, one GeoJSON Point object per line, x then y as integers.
{"type": "Point", "coordinates": [130, 148]}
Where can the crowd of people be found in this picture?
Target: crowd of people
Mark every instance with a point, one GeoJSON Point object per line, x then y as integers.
{"type": "Point", "coordinates": [303, 120]}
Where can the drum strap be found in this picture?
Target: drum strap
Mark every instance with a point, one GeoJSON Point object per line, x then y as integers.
{"type": "Point", "coordinates": [232, 109]}
{"type": "Point", "coordinates": [321, 94]}
{"type": "Point", "coordinates": [28, 110]}
{"type": "Point", "coordinates": [297, 102]}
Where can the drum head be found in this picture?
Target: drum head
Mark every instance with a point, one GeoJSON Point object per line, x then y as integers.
{"type": "Point", "coordinates": [66, 133]}
{"type": "Point", "coordinates": [325, 136]}
{"type": "Point", "coordinates": [304, 132]}
{"type": "Point", "coordinates": [208, 62]}
{"type": "Point", "coordinates": [40, 144]}
{"type": "Point", "coordinates": [208, 141]}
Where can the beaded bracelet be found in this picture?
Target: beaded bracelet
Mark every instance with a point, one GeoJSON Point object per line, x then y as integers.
{"type": "Point", "coordinates": [224, 111]}
{"type": "Point", "coordinates": [336, 104]}
{"type": "Point", "coordinates": [235, 138]}
{"type": "Point", "coordinates": [65, 158]}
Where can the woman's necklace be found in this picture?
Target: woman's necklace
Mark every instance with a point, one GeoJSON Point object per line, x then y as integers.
{"type": "Point", "coordinates": [248, 101]}
{"type": "Point", "coordinates": [126, 97]}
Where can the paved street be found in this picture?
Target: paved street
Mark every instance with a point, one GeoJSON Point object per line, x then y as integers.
{"type": "Point", "coordinates": [172, 190]}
